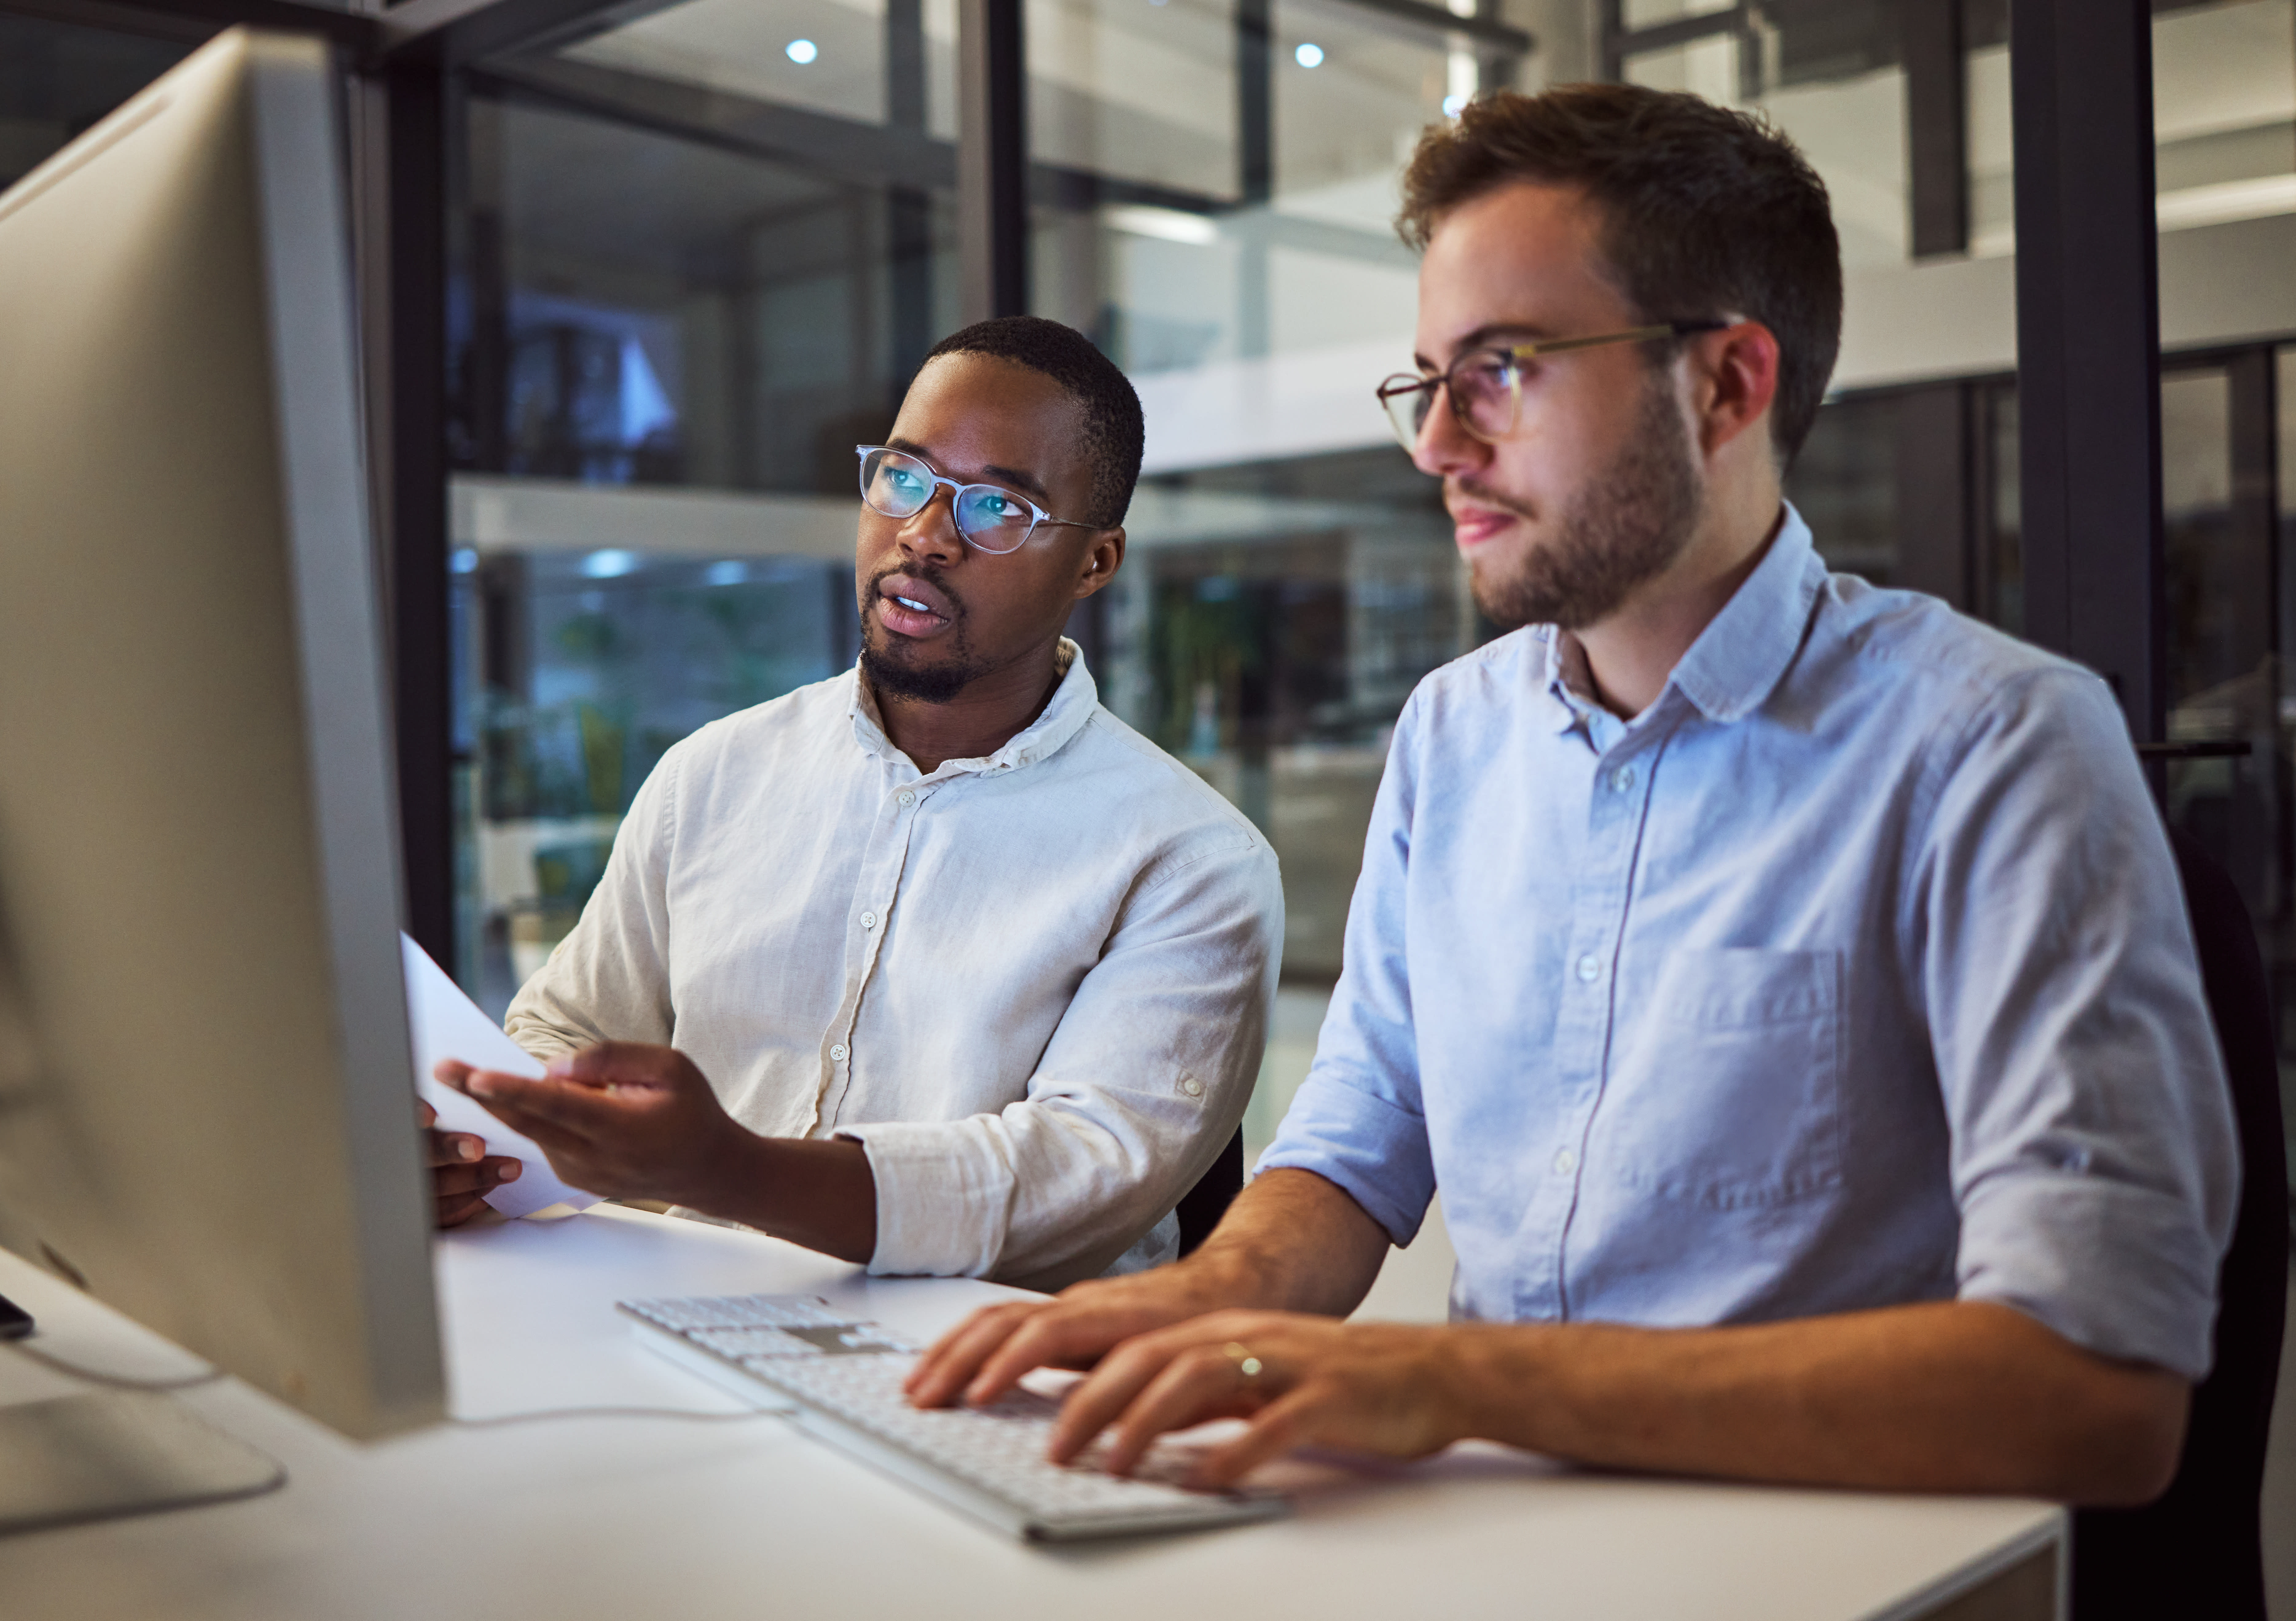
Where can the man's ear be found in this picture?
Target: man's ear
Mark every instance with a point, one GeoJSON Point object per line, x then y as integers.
{"type": "Point", "coordinates": [1104, 556]}
{"type": "Point", "coordinates": [1737, 381]}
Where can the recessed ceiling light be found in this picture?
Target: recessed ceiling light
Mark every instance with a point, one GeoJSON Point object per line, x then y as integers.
{"type": "Point", "coordinates": [1309, 56]}
{"type": "Point", "coordinates": [801, 51]}
{"type": "Point", "coordinates": [1454, 106]}
{"type": "Point", "coordinates": [610, 564]}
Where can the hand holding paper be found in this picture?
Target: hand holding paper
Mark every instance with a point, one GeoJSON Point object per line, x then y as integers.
{"type": "Point", "coordinates": [446, 1024]}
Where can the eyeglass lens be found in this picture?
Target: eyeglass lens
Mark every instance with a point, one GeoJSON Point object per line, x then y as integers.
{"type": "Point", "coordinates": [900, 485]}
{"type": "Point", "coordinates": [1483, 395]}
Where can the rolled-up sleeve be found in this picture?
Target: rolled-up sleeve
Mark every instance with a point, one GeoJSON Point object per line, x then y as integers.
{"type": "Point", "coordinates": [1357, 1121]}
{"type": "Point", "coordinates": [1140, 1087]}
{"type": "Point", "coordinates": [2094, 1158]}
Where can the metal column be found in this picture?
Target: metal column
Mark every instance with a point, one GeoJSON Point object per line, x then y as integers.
{"type": "Point", "coordinates": [2089, 369]}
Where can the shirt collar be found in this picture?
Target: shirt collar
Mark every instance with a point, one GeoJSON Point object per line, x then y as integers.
{"type": "Point", "coordinates": [1743, 654]}
{"type": "Point", "coordinates": [1072, 703]}
{"type": "Point", "coordinates": [1737, 660]}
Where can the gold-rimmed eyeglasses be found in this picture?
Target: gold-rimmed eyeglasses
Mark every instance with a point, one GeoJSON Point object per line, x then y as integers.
{"type": "Point", "coordinates": [1486, 384]}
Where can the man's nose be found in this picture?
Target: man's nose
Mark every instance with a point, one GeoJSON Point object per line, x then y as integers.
{"type": "Point", "coordinates": [1444, 446]}
{"type": "Point", "coordinates": [932, 536]}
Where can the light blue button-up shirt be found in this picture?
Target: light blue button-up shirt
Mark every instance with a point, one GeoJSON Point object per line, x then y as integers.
{"type": "Point", "coordinates": [1853, 972]}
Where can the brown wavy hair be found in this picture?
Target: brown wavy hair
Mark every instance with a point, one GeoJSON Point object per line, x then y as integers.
{"type": "Point", "coordinates": [1706, 212]}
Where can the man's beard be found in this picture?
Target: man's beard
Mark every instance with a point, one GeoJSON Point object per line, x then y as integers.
{"type": "Point", "coordinates": [1627, 525]}
{"type": "Point", "coordinates": [889, 672]}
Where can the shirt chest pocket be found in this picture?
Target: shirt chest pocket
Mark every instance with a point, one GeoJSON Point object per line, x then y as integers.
{"type": "Point", "coordinates": [1725, 1081]}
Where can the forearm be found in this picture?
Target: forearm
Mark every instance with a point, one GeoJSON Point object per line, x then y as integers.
{"type": "Point", "coordinates": [821, 1194]}
{"type": "Point", "coordinates": [1292, 1241]}
{"type": "Point", "coordinates": [1962, 1397]}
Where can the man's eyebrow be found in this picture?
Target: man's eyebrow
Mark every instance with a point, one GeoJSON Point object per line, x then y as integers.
{"type": "Point", "coordinates": [1487, 337]}
{"type": "Point", "coordinates": [1007, 475]}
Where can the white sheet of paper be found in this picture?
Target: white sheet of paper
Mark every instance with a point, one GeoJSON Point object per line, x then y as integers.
{"type": "Point", "coordinates": [447, 1024]}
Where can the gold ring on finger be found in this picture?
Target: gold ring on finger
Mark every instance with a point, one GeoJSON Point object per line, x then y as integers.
{"type": "Point", "coordinates": [1246, 1364]}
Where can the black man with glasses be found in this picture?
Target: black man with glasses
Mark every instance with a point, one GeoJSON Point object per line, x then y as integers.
{"type": "Point", "coordinates": [936, 965]}
{"type": "Point", "coordinates": [1784, 980]}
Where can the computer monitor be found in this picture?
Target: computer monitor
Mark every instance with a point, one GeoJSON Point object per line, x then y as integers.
{"type": "Point", "coordinates": [206, 1116]}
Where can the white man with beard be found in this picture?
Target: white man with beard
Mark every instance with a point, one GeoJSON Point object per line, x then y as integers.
{"type": "Point", "coordinates": [1786, 982]}
{"type": "Point", "coordinates": [936, 965]}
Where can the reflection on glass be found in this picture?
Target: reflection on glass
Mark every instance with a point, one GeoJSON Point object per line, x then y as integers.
{"type": "Point", "coordinates": [2223, 112]}
{"type": "Point", "coordinates": [2223, 681]}
{"type": "Point", "coordinates": [2001, 572]}
{"type": "Point", "coordinates": [1830, 77]}
{"type": "Point", "coordinates": [1707, 67]}
{"type": "Point", "coordinates": [697, 258]}
{"type": "Point", "coordinates": [1649, 13]}
{"type": "Point", "coordinates": [1223, 227]}
{"type": "Point", "coordinates": [1845, 484]}
{"type": "Point", "coordinates": [2223, 116]}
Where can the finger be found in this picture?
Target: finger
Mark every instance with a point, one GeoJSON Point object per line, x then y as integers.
{"type": "Point", "coordinates": [1060, 1336]}
{"type": "Point", "coordinates": [1290, 1421]}
{"type": "Point", "coordinates": [425, 1116]}
{"type": "Point", "coordinates": [582, 1111]}
{"type": "Point", "coordinates": [956, 1355]}
{"type": "Point", "coordinates": [483, 1177]}
{"type": "Point", "coordinates": [1110, 1391]}
{"type": "Point", "coordinates": [454, 1213]}
{"type": "Point", "coordinates": [454, 1148]}
{"type": "Point", "coordinates": [1200, 1382]}
{"type": "Point", "coordinates": [451, 1072]}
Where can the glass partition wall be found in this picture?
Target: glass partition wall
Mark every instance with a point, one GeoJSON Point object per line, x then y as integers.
{"type": "Point", "coordinates": [697, 258]}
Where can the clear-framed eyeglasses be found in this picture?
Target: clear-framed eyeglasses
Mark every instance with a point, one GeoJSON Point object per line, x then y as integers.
{"type": "Point", "coordinates": [898, 485]}
{"type": "Point", "coordinates": [1486, 385]}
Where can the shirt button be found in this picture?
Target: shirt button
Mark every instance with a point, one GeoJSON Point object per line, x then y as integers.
{"type": "Point", "coordinates": [868, 920]}
{"type": "Point", "coordinates": [1193, 1087]}
{"type": "Point", "coordinates": [907, 797]}
{"type": "Point", "coordinates": [1623, 779]}
{"type": "Point", "coordinates": [1590, 968]}
{"type": "Point", "coordinates": [837, 1052]}
{"type": "Point", "coordinates": [1565, 1162]}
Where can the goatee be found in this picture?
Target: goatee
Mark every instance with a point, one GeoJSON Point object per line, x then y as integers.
{"type": "Point", "coordinates": [889, 670]}
{"type": "Point", "coordinates": [1627, 525]}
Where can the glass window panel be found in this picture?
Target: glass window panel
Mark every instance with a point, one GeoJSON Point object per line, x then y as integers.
{"type": "Point", "coordinates": [1707, 67]}
{"type": "Point", "coordinates": [1290, 575]}
{"type": "Point", "coordinates": [2223, 112]}
{"type": "Point", "coordinates": [693, 267]}
{"type": "Point", "coordinates": [2002, 557]}
{"type": "Point", "coordinates": [1142, 92]}
{"type": "Point", "coordinates": [1650, 13]}
{"type": "Point", "coordinates": [1845, 484]}
{"type": "Point", "coordinates": [2204, 576]}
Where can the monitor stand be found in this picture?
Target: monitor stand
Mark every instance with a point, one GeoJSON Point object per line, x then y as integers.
{"type": "Point", "coordinates": [110, 1453]}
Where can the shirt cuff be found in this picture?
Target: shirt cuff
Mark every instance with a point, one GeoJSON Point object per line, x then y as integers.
{"type": "Point", "coordinates": [944, 1203]}
{"type": "Point", "coordinates": [2122, 1271]}
{"type": "Point", "coordinates": [1373, 1152]}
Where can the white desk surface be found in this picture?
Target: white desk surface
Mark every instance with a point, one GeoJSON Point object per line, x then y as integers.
{"type": "Point", "coordinates": [628, 1516]}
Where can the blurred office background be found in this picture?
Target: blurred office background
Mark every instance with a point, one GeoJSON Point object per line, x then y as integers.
{"type": "Point", "coordinates": [696, 252]}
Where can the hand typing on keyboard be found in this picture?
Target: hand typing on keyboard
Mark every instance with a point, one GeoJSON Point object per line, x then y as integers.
{"type": "Point", "coordinates": [848, 1378]}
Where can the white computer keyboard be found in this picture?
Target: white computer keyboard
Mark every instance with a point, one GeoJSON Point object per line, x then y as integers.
{"type": "Point", "coordinates": [841, 1380]}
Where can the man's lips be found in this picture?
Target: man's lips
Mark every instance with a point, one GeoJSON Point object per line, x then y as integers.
{"type": "Point", "coordinates": [1473, 525]}
{"type": "Point", "coordinates": [908, 607]}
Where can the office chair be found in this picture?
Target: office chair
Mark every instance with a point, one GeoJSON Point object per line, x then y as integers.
{"type": "Point", "coordinates": [2195, 1550]}
{"type": "Point", "coordinates": [1203, 1205]}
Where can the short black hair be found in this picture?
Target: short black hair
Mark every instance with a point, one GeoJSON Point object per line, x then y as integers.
{"type": "Point", "coordinates": [1707, 212]}
{"type": "Point", "coordinates": [1114, 432]}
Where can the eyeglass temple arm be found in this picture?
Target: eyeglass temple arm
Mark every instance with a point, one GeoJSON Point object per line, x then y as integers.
{"type": "Point", "coordinates": [1640, 334]}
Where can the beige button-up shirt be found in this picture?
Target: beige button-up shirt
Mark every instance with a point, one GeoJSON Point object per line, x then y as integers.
{"type": "Point", "coordinates": [1035, 986]}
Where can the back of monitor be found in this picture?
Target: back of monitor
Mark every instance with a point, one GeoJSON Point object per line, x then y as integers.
{"type": "Point", "coordinates": [204, 1071]}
